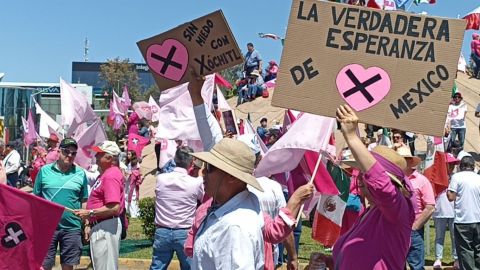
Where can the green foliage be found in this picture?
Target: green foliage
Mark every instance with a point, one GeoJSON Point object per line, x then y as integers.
{"type": "Point", "coordinates": [231, 75]}
{"type": "Point", "coordinates": [117, 73]}
{"type": "Point", "coordinates": [152, 91]}
{"type": "Point", "coordinates": [147, 216]}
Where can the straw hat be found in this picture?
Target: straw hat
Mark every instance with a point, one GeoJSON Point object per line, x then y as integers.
{"type": "Point", "coordinates": [391, 156]}
{"type": "Point", "coordinates": [412, 161]}
{"type": "Point", "coordinates": [348, 160]}
{"type": "Point", "coordinates": [233, 157]}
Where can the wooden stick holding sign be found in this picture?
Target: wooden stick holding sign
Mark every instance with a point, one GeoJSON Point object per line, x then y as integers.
{"type": "Point", "coordinates": [311, 181]}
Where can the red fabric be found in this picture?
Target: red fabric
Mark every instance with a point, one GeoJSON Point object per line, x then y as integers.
{"type": "Point", "coordinates": [137, 143]}
{"type": "Point", "coordinates": [37, 164]}
{"type": "Point", "coordinates": [437, 173]}
{"type": "Point", "coordinates": [221, 81]}
{"type": "Point", "coordinates": [36, 217]}
{"type": "Point", "coordinates": [373, 4]}
{"type": "Point", "coordinates": [473, 21]}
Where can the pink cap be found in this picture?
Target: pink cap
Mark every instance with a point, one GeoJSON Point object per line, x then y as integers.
{"type": "Point", "coordinates": [451, 158]}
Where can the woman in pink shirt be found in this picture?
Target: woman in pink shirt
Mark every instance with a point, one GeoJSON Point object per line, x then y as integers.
{"type": "Point", "coordinates": [380, 238]}
{"type": "Point", "coordinates": [475, 53]}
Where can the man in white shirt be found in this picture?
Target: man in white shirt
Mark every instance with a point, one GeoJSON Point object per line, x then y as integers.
{"type": "Point", "coordinates": [457, 112]}
{"type": "Point", "coordinates": [11, 163]}
{"type": "Point", "coordinates": [464, 189]}
{"type": "Point", "coordinates": [177, 197]}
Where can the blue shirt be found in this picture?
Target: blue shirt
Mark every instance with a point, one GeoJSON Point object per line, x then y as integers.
{"type": "Point", "coordinates": [252, 59]}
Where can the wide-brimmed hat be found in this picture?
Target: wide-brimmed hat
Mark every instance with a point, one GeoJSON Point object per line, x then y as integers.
{"type": "Point", "coordinates": [255, 73]}
{"type": "Point", "coordinates": [392, 156]}
{"type": "Point", "coordinates": [347, 159]}
{"type": "Point", "coordinates": [233, 157]}
{"type": "Point", "coordinates": [405, 152]}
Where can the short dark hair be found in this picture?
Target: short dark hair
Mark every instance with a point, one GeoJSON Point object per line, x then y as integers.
{"type": "Point", "coordinates": [467, 164]}
{"type": "Point", "coordinates": [250, 44]}
{"type": "Point", "coordinates": [183, 159]}
{"type": "Point", "coordinates": [263, 120]}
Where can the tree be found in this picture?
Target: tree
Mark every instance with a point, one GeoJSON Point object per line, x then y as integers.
{"type": "Point", "coordinates": [231, 75]}
{"type": "Point", "coordinates": [152, 91]}
{"type": "Point", "coordinates": [117, 73]}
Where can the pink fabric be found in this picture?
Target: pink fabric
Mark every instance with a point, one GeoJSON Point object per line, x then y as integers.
{"type": "Point", "coordinates": [155, 109]}
{"type": "Point", "coordinates": [36, 165]}
{"type": "Point", "coordinates": [274, 232]}
{"type": "Point", "coordinates": [126, 101]}
{"type": "Point", "coordinates": [30, 132]}
{"type": "Point", "coordinates": [380, 238]}
{"type": "Point", "coordinates": [137, 143]}
{"type": "Point", "coordinates": [273, 69]}
{"type": "Point", "coordinates": [222, 102]}
{"type": "Point", "coordinates": [75, 107]}
{"type": "Point", "coordinates": [143, 110]}
{"type": "Point", "coordinates": [132, 125]}
{"type": "Point", "coordinates": [221, 81]}
{"type": "Point", "coordinates": [3, 175]}
{"type": "Point", "coordinates": [475, 47]}
{"type": "Point", "coordinates": [135, 180]}
{"type": "Point", "coordinates": [108, 189]}
{"type": "Point", "coordinates": [423, 191]}
{"type": "Point", "coordinates": [91, 136]}
{"type": "Point", "coordinates": [52, 155]}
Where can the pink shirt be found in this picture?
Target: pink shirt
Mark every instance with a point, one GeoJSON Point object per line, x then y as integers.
{"type": "Point", "coordinates": [133, 120]}
{"type": "Point", "coordinates": [177, 195]}
{"type": "Point", "coordinates": [109, 188]}
{"type": "Point", "coordinates": [52, 155]}
{"type": "Point", "coordinates": [423, 191]}
{"type": "Point", "coordinates": [274, 232]}
{"type": "Point", "coordinates": [380, 238]}
{"type": "Point", "coordinates": [475, 46]}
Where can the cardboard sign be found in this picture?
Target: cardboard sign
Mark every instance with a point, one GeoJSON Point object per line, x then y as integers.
{"type": "Point", "coordinates": [206, 44]}
{"type": "Point", "coordinates": [395, 69]}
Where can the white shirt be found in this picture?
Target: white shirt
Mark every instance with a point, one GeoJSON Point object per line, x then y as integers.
{"type": "Point", "coordinates": [456, 115]}
{"type": "Point", "coordinates": [11, 162]}
{"type": "Point", "coordinates": [443, 207]}
{"type": "Point", "coordinates": [466, 185]}
{"type": "Point", "coordinates": [231, 236]}
{"type": "Point", "coordinates": [272, 198]}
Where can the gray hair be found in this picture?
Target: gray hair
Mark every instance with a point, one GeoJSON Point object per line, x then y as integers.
{"type": "Point", "coordinates": [467, 164]}
{"type": "Point", "coordinates": [183, 159]}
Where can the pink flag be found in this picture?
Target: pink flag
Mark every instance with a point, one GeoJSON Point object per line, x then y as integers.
{"type": "Point", "coordinates": [143, 110]}
{"type": "Point", "coordinates": [46, 122]}
{"type": "Point", "coordinates": [117, 105]}
{"type": "Point", "coordinates": [91, 136]}
{"type": "Point", "coordinates": [137, 143]}
{"type": "Point", "coordinates": [126, 101]}
{"type": "Point", "coordinates": [154, 108]}
{"type": "Point", "coordinates": [75, 107]}
{"type": "Point", "coordinates": [27, 225]}
{"type": "Point", "coordinates": [116, 113]}
{"type": "Point", "coordinates": [177, 120]}
{"type": "Point", "coordinates": [250, 130]}
{"type": "Point", "coordinates": [30, 132]}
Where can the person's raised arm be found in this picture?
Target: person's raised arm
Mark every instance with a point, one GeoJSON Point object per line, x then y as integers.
{"type": "Point", "coordinates": [208, 127]}
{"type": "Point", "coordinates": [349, 124]}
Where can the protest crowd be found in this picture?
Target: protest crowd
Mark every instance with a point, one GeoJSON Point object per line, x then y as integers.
{"type": "Point", "coordinates": [229, 195]}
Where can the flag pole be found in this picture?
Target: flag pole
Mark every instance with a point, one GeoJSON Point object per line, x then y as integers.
{"type": "Point", "coordinates": [311, 181]}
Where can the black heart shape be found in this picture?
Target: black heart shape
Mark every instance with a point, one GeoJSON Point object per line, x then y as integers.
{"type": "Point", "coordinates": [13, 229]}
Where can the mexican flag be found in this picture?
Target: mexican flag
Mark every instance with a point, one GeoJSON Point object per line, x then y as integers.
{"type": "Point", "coordinates": [473, 19]}
{"type": "Point", "coordinates": [329, 212]}
{"type": "Point", "coordinates": [436, 164]}
{"type": "Point", "coordinates": [454, 88]}
{"type": "Point", "coordinates": [424, 2]}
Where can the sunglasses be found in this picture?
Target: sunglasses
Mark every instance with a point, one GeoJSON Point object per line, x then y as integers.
{"type": "Point", "coordinates": [67, 152]}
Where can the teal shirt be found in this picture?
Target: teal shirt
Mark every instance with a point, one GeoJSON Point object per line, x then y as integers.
{"type": "Point", "coordinates": [67, 189]}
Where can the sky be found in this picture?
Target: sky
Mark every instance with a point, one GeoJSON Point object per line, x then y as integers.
{"type": "Point", "coordinates": [40, 39]}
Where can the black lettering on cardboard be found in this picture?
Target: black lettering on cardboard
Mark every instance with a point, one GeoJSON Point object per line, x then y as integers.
{"type": "Point", "coordinates": [331, 37]}
{"type": "Point", "coordinates": [412, 26]}
{"type": "Point", "coordinates": [363, 17]}
{"type": "Point", "coordinates": [444, 31]}
{"type": "Point", "coordinates": [430, 55]}
{"type": "Point", "coordinates": [359, 38]}
{"type": "Point", "coordinates": [442, 69]}
{"type": "Point", "coordinates": [394, 49]}
{"type": "Point", "coordinates": [382, 45]}
{"type": "Point", "coordinates": [421, 45]}
{"type": "Point", "coordinates": [408, 48]}
{"type": "Point", "coordinates": [400, 25]}
{"type": "Point", "coordinates": [189, 33]}
{"type": "Point", "coordinates": [375, 21]}
{"type": "Point", "coordinates": [294, 71]}
{"type": "Point", "coordinates": [430, 89]}
{"type": "Point", "coordinates": [408, 100]}
{"type": "Point", "coordinates": [311, 14]}
{"type": "Point", "coordinates": [420, 93]}
{"type": "Point", "coordinates": [429, 78]}
{"type": "Point", "coordinates": [400, 109]}
{"type": "Point", "coordinates": [311, 72]}
{"type": "Point", "coordinates": [428, 27]}
{"type": "Point", "coordinates": [372, 41]}
{"type": "Point", "coordinates": [337, 19]}
{"type": "Point", "coordinates": [203, 65]}
{"type": "Point", "coordinates": [350, 17]}
{"type": "Point", "coordinates": [348, 43]}
{"type": "Point", "coordinates": [386, 23]}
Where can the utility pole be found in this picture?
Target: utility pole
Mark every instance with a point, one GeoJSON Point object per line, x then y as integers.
{"type": "Point", "coordinates": [85, 51]}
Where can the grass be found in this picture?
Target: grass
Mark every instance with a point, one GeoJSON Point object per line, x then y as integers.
{"type": "Point", "coordinates": [139, 247]}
